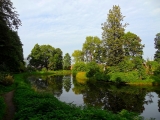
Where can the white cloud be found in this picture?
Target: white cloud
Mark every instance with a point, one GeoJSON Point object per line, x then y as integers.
{"type": "Point", "coordinates": [65, 24]}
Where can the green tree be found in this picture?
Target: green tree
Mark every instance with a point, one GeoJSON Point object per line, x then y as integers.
{"type": "Point", "coordinates": [92, 49]}
{"type": "Point", "coordinates": [157, 46]}
{"type": "Point", "coordinates": [113, 30]}
{"type": "Point", "coordinates": [42, 56]}
{"type": "Point", "coordinates": [67, 61]}
{"type": "Point", "coordinates": [78, 56]}
{"type": "Point", "coordinates": [58, 59]}
{"type": "Point", "coordinates": [11, 59]}
{"type": "Point", "coordinates": [132, 45]}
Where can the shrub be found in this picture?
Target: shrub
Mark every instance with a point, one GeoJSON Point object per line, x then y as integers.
{"type": "Point", "coordinates": [2, 107]}
{"type": "Point", "coordinates": [79, 67]}
{"type": "Point", "coordinates": [44, 69]}
{"type": "Point", "coordinates": [81, 75]}
{"type": "Point", "coordinates": [124, 77]}
{"type": "Point", "coordinates": [92, 69]}
{"type": "Point", "coordinates": [6, 79]}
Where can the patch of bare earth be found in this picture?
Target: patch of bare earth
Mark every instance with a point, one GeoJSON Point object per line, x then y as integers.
{"type": "Point", "coordinates": [10, 110]}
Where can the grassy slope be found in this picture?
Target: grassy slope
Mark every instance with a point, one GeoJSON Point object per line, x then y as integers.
{"type": "Point", "coordinates": [35, 106]}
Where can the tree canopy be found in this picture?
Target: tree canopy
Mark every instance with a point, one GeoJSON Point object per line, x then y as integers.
{"type": "Point", "coordinates": [8, 14]}
{"type": "Point", "coordinates": [67, 61]}
{"type": "Point", "coordinates": [92, 49]}
{"type": "Point", "coordinates": [45, 56]}
{"type": "Point", "coordinates": [132, 45]}
{"type": "Point", "coordinates": [78, 56]}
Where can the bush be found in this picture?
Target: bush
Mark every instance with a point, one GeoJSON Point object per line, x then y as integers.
{"type": "Point", "coordinates": [92, 69]}
{"type": "Point", "coordinates": [44, 69]}
{"type": "Point", "coordinates": [102, 76]}
{"type": "Point", "coordinates": [124, 77]}
{"type": "Point", "coordinates": [2, 107]}
{"type": "Point", "coordinates": [79, 67]}
{"type": "Point", "coordinates": [6, 79]}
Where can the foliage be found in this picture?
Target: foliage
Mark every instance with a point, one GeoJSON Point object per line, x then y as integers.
{"type": "Point", "coordinates": [9, 15]}
{"type": "Point", "coordinates": [113, 31]}
{"type": "Point", "coordinates": [10, 44]}
{"type": "Point", "coordinates": [92, 69]}
{"type": "Point", "coordinates": [2, 107]}
{"type": "Point", "coordinates": [67, 62]}
{"type": "Point", "coordinates": [157, 46]}
{"type": "Point", "coordinates": [6, 79]}
{"type": "Point", "coordinates": [79, 67]}
{"type": "Point", "coordinates": [126, 65]}
{"type": "Point", "coordinates": [78, 56]}
{"type": "Point", "coordinates": [138, 65]}
{"type": "Point", "coordinates": [81, 75]}
{"type": "Point", "coordinates": [58, 60]}
{"type": "Point", "coordinates": [132, 45]}
{"type": "Point", "coordinates": [92, 49]}
{"type": "Point", "coordinates": [45, 56]}
{"type": "Point", "coordinates": [11, 51]}
{"type": "Point", "coordinates": [124, 77]}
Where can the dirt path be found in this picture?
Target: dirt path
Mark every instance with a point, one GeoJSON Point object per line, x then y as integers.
{"type": "Point", "coordinates": [8, 97]}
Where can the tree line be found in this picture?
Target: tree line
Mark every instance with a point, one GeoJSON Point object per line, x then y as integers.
{"type": "Point", "coordinates": [118, 51]}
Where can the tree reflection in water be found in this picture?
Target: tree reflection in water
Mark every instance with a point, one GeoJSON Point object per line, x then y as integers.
{"type": "Point", "coordinates": [98, 94]}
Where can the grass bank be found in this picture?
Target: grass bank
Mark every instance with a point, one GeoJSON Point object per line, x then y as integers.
{"type": "Point", "coordinates": [119, 77]}
{"type": "Point", "coordinates": [39, 106]}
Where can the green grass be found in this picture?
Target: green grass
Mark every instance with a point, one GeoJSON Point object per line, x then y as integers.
{"type": "Point", "coordinates": [60, 72]}
{"type": "Point", "coordinates": [41, 106]}
{"type": "Point", "coordinates": [2, 107]}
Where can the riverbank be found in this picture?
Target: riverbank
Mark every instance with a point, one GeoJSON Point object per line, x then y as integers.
{"type": "Point", "coordinates": [121, 78]}
{"type": "Point", "coordinates": [33, 105]}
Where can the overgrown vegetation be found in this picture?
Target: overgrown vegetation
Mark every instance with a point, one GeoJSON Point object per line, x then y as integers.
{"type": "Point", "coordinates": [118, 56]}
{"type": "Point", "coordinates": [2, 107]}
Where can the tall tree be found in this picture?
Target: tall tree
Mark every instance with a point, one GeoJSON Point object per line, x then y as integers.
{"type": "Point", "coordinates": [157, 46]}
{"type": "Point", "coordinates": [67, 61]}
{"type": "Point", "coordinates": [113, 30]}
{"type": "Point", "coordinates": [132, 45]}
{"type": "Point", "coordinates": [78, 56]}
{"type": "Point", "coordinates": [92, 49]}
{"type": "Point", "coordinates": [11, 53]}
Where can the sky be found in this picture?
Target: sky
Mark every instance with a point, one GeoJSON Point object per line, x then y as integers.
{"type": "Point", "coordinates": [65, 24]}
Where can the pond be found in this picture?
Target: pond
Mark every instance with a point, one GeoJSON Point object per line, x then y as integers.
{"type": "Point", "coordinates": [144, 100]}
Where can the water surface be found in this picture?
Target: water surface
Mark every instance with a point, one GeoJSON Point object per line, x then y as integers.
{"type": "Point", "coordinates": [144, 100]}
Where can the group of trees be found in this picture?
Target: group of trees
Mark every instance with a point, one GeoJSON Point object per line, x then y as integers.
{"type": "Point", "coordinates": [118, 51]}
{"type": "Point", "coordinates": [11, 51]}
{"type": "Point", "coordinates": [48, 57]}
{"type": "Point", "coordinates": [115, 45]}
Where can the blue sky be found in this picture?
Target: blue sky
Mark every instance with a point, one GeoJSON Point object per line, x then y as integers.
{"type": "Point", "coordinates": [65, 24]}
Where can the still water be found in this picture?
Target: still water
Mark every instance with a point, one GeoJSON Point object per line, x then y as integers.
{"type": "Point", "coordinates": [144, 100]}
